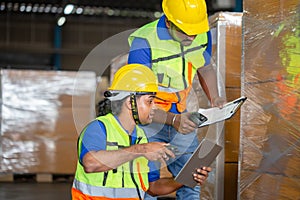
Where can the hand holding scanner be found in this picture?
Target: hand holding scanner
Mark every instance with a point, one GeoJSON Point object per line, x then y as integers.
{"type": "Point", "coordinates": [197, 118]}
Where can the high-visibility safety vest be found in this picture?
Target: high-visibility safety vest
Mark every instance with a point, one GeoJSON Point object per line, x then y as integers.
{"type": "Point", "coordinates": [127, 182]}
{"type": "Point", "coordinates": [175, 65]}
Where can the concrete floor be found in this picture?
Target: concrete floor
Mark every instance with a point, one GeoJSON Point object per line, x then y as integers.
{"type": "Point", "coordinates": [35, 191]}
{"type": "Point", "coordinates": [38, 191]}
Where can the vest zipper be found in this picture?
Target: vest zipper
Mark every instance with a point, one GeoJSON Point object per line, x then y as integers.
{"type": "Point", "coordinates": [123, 185]}
{"type": "Point", "coordinates": [105, 173]}
{"type": "Point", "coordinates": [138, 140]}
{"type": "Point", "coordinates": [104, 178]}
{"type": "Point", "coordinates": [131, 172]}
{"type": "Point", "coordinates": [183, 65]}
{"type": "Point", "coordinates": [133, 180]}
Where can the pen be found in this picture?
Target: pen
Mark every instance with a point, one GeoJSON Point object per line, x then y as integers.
{"type": "Point", "coordinates": [180, 154]}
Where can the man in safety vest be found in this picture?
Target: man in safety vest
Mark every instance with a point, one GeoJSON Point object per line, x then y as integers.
{"type": "Point", "coordinates": [113, 151]}
{"type": "Point", "coordinates": [176, 47]}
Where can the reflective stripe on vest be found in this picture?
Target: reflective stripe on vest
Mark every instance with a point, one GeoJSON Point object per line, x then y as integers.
{"type": "Point", "coordinates": [175, 65]}
{"type": "Point", "coordinates": [127, 174]}
{"type": "Point", "coordinates": [112, 193]}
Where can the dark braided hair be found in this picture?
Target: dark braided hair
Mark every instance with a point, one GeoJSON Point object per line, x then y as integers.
{"type": "Point", "coordinates": [106, 106]}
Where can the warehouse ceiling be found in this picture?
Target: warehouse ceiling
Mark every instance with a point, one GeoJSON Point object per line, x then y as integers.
{"type": "Point", "coordinates": [29, 31]}
{"type": "Point", "coordinates": [119, 8]}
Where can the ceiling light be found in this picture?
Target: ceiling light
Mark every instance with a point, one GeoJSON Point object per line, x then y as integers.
{"type": "Point", "coordinates": [16, 7]}
{"type": "Point", "coordinates": [9, 6]}
{"type": "Point", "coordinates": [79, 10]}
{"type": "Point", "coordinates": [47, 8]}
{"type": "Point", "coordinates": [110, 12]}
{"type": "Point", "coordinates": [61, 21]}
{"type": "Point", "coordinates": [53, 9]}
{"type": "Point", "coordinates": [22, 7]}
{"type": "Point", "coordinates": [59, 10]}
{"type": "Point", "coordinates": [2, 6]}
{"type": "Point", "coordinates": [41, 8]}
{"type": "Point", "coordinates": [68, 9]}
{"type": "Point", "coordinates": [35, 8]}
{"type": "Point", "coordinates": [28, 8]}
{"type": "Point", "coordinates": [157, 14]}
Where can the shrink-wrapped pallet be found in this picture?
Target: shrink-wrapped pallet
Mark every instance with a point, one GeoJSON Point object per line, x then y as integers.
{"type": "Point", "coordinates": [41, 115]}
{"type": "Point", "coordinates": [270, 130]}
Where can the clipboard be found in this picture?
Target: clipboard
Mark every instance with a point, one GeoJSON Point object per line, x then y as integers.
{"type": "Point", "coordinates": [204, 155]}
{"type": "Point", "coordinates": [216, 114]}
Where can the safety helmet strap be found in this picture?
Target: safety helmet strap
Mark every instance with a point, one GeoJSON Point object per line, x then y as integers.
{"type": "Point", "coordinates": [134, 109]}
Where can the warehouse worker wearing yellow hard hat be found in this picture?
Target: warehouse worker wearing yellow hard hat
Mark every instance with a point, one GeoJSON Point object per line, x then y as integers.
{"type": "Point", "coordinates": [113, 151]}
{"type": "Point", "coordinates": [176, 47]}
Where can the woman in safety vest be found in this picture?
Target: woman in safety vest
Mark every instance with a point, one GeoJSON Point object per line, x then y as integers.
{"type": "Point", "coordinates": [176, 47]}
{"type": "Point", "coordinates": [113, 150]}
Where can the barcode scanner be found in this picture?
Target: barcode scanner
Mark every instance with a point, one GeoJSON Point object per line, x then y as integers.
{"type": "Point", "coordinates": [197, 118]}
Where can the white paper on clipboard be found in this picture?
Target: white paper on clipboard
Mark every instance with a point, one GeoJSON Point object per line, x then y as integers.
{"type": "Point", "coordinates": [219, 114]}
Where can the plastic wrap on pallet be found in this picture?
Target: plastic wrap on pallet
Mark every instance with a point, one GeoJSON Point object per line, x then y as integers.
{"type": "Point", "coordinates": [226, 28]}
{"type": "Point", "coordinates": [230, 51]}
{"type": "Point", "coordinates": [270, 130]}
{"type": "Point", "coordinates": [38, 133]}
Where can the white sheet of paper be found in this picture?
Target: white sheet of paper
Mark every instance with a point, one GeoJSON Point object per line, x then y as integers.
{"type": "Point", "coordinates": [219, 114]}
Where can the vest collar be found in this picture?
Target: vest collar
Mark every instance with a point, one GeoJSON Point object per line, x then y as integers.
{"type": "Point", "coordinates": [162, 30]}
{"type": "Point", "coordinates": [133, 134]}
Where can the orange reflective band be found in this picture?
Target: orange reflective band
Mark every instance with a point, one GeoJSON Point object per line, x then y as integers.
{"type": "Point", "coordinates": [140, 177]}
{"type": "Point", "coordinates": [190, 71]}
{"type": "Point", "coordinates": [78, 195]}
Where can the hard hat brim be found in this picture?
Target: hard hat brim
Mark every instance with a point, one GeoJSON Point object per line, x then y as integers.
{"type": "Point", "coordinates": [117, 96]}
{"type": "Point", "coordinates": [193, 29]}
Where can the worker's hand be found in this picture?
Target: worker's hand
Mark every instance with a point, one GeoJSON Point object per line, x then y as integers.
{"type": "Point", "coordinates": [218, 102]}
{"type": "Point", "coordinates": [157, 151]}
{"type": "Point", "coordinates": [201, 175]}
{"type": "Point", "coordinates": [183, 124]}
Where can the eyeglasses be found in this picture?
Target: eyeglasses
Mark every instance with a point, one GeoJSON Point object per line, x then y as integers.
{"type": "Point", "coordinates": [172, 25]}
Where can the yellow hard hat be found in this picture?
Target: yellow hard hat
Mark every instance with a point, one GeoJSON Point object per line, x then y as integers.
{"type": "Point", "coordinates": [134, 78]}
{"type": "Point", "coordinates": [188, 15]}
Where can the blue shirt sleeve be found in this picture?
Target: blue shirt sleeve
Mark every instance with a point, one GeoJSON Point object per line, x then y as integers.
{"type": "Point", "coordinates": [140, 52]}
{"type": "Point", "coordinates": [208, 51]}
{"type": "Point", "coordinates": [154, 173]}
{"type": "Point", "coordinates": [94, 138]}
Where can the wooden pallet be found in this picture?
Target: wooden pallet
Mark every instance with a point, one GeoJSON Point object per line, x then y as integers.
{"type": "Point", "coordinates": [32, 177]}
